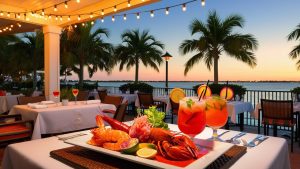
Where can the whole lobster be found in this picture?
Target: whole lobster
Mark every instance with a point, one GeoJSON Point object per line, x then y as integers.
{"type": "Point", "coordinates": [170, 145]}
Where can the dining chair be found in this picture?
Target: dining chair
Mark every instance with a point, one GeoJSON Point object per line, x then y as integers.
{"type": "Point", "coordinates": [102, 94]}
{"type": "Point", "coordinates": [120, 112]}
{"type": "Point", "coordinates": [174, 109]}
{"type": "Point", "coordinates": [13, 129]}
{"type": "Point", "coordinates": [23, 100]}
{"type": "Point", "coordinates": [278, 113]}
{"type": "Point", "coordinates": [83, 96]}
{"type": "Point", "coordinates": [146, 100]}
{"type": "Point", "coordinates": [115, 100]}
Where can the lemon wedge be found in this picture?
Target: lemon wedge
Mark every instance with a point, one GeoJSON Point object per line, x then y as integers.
{"type": "Point", "coordinates": [146, 152]}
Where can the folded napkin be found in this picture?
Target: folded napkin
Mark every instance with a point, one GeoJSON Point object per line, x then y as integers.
{"type": "Point", "coordinates": [47, 102]}
{"type": "Point", "coordinates": [36, 106]}
{"type": "Point", "coordinates": [93, 102]}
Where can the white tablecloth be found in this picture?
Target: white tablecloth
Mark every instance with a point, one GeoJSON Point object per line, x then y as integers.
{"type": "Point", "coordinates": [236, 107]}
{"type": "Point", "coordinates": [130, 98]}
{"type": "Point", "coordinates": [273, 153]}
{"type": "Point", "coordinates": [296, 108]}
{"type": "Point", "coordinates": [7, 102]}
{"type": "Point", "coordinates": [57, 119]}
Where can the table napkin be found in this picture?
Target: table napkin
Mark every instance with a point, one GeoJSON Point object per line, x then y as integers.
{"type": "Point", "coordinates": [37, 106]}
{"type": "Point", "coordinates": [93, 102]}
{"type": "Point", "coordinates": [47, 102]}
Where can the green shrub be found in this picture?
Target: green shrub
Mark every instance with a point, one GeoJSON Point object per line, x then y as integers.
{"type": "Point", "coordinates": [216, 89]}
{"type": "Point", "coordinates": [140, 86]}
{"type": "Point", "coordinates": [66, 93]}
{"type": "Point", "coordinates": [295, 90]}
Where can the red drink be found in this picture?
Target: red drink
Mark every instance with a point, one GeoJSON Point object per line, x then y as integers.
{"type": "Point", "coordinates": [216, 112]}
{"type": "Point", "coordinates": [75, 92]}
{"type": "Point", "coordinates": [191, 117]}
{"type": "Point", "coordinates": [56, 93]}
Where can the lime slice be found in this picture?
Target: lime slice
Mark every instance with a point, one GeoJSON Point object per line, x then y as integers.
{"type": "Point", "coordinates": [147, 145]}
{"type": "Point", "coordinates": [146, 152]}
{"type": "Point", "coordinates": [130, 146]}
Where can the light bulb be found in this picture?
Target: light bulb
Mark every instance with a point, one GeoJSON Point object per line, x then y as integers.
{"type": "Point", "coordinates": [184, 7]}
{"type": "Point", "coordinates": [8, 14]}
{"type": "Point", "coordinates": [78, 1]}
{"type": "Point", "coordinates": [43, 12]}
{"type": "Point", "coordinates": [75, 26]}
{"type": "Point", "coordinates": [92, 22]}
{"type": "Point", "coordinates": [19, 16]}
{"type": "Point", "coordinates": [91, 15]}
{"type": "Point", "coordinates": [115, 9]}
{"type": "Point", "coordinates": [167, 11]}
{"type": "Point", "coordinates": [138, 16]}
{"type": "Point", "coordinates": [102, 20]}
{"type": "Point", "coordinates": [113, 18]}
{"type": "Point", "coordinates": [102, 12]}
{"type": "Point", "coordinates": [79, 17]}
{"type": "Point", "coordinates": [1, 13]}
{"type": "Point", "coordinates": [56, 18]}
{"type": "Point", "coordinates": [66, 4]}
{"type": "Point", "coordinates": [61, 18]}
{"type": "Point", "coordinates": [203, 2]}
{"type": "Point", "coordinates": [125, 17]}
{"type": "Point", "coordinates": [128, 4]}
{"type": "Point", "coordinates": [55, 8]}
{"type": "Point", "coordinates": [152, 14]}
{"type": "Point", "coordinates": [69, 18]}
{"type": "Point", "coordinates": [83, 24]}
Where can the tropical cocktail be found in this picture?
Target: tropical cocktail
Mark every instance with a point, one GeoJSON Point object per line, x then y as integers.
{"type": "Point", "coordinates": [191, 116]}
{"type": "Point", "coordinates": [56, 94]}
{"type": "Point", "coordinates": [75, 93]}
{"type": "Point", "coordinates": [216, 113]}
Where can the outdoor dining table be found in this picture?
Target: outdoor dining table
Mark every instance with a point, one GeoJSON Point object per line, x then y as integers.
{"type": "Point", "coordinates": [7, 102]}
{"type": "Point", "coordinates": [257, 113]}
{"type": "Point", "coordinates": [272, 153]}
{"type": "Point", "coordinates": [58, 119]}
{"type": "Point", "coordinates": [238, 108]}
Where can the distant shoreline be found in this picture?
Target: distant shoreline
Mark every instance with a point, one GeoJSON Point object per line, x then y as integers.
{"type": "Point", "coordinates": [260, 81]}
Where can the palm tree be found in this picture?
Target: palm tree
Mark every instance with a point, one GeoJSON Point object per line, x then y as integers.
{"type": "Point", "coordinates": [216, 37]}
{"type": "Point", "coordinates": [295, 35]}
{"type": "Point", "coordinates": [86, 48]}
{"type": "Point", "coordinates": [139, 47]}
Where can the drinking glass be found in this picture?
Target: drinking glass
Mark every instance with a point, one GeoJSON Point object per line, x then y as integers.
{"type": "Point", "coordinates": [191, 116]}
{"type": "Point", "coordinates": [216, 114]}
{"type": "Point", "coordinates": [75, 93]}
{"type": "Point", "coordinates": [56, 95]}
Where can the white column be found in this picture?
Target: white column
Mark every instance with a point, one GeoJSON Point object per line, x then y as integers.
{"type": "Point", "coordinates": [52, 60]}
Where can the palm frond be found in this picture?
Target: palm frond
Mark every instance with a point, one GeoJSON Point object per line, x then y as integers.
{"type": "Point", "coordinates": [192, 61]}
{"type": "Point", "coordinates": [295, 34]}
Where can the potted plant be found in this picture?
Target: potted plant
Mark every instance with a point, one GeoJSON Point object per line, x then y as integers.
{"type": "Point", "coordinates": [139, 86]}
{"type": "Point", "coordinates": [296, 94]}
{"type": "Point", "coordinates": [65, 95]}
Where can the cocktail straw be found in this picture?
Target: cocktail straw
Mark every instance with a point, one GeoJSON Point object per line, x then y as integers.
{"type": "Point", "coordinates": [226, 90]}
{"type": "Point", "coordinates": [204, 93]}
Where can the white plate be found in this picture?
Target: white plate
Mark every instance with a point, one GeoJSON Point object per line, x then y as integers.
{"type": "Point", "coordinates": [218, 149]}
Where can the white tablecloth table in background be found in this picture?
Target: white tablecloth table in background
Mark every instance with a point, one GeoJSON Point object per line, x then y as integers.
{"type": "Point", "coordinates": [130, 98]}
{"type": "Point", "coordinates": [7, 102]}
{"type": "Point", "coordinates": [57, 119]}
{"type": "Point", "coordinates": [273, 153]}
{"type": "Point", "coordinates": [236, 107]}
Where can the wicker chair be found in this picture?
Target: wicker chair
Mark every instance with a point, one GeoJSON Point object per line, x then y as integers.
{"type": "Point", "coordinates": [83, 95]}
{"type": "Point", "coordinates": [14, 131]}
{"type": "Point", "coordinates": [278, 113]}
{"type": "Point", "coordinates": [120, 112]}
{"type": "Point", "coordinates": [102, 94]}
{"type": "Point", "coordinates": [115, 100]}
{"type": "Point", "coordinates": [146, 100]}
{"type": "Point", "coordinates": [23, 100]}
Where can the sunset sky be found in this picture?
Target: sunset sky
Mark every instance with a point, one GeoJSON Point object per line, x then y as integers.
{"type": "Point", "coordinates": [269, 21]}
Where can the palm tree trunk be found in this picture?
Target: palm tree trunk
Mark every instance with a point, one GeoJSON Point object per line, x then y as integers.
{"type": "Point", "coordinates": [136, 69]}
{"type": "Point", "coordinates": [216, 70]}
{"type": "Point", "coordinates": [81, 67]}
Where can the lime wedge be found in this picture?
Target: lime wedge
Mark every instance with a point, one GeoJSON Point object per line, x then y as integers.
{"type": "Point", "coordinates": [130, 146]}
{"type": "Point", "coordinates": [146, 152]}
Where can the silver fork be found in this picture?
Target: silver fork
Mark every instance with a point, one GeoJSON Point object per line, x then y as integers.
{"type": "Point", "coordinates": [234, 138]}
{"type": "Point", "coordinates": [70, 137]}
{"type": "Point", "coordinates": [252, 143]}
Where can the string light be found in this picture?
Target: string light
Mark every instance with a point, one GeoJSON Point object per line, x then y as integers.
{"type": "Point", "coordinates": [56, 18]}
{"type": "Point", "coordinates": [102, 19]}
{"type": "Point", "coordinates": [125, 18]}
{"type": "Point", "coordinates": [128, 4]}
{"type": "Point", "coordinates": [102, 12]}
{"type": "Point", "coordinates": [183, 7]}
{"type": "Point", "coordinates": [91, 15]}
{"type": "Point", "coordinates": [43, 12]}
{"type": "Point", "coordinates": [55, 8]}
{"type": "Point", "coordinates": [203, 2]}
{"type": "Point", "coordinates": [69, 18]}
{"type": "Point", "coordinates": [137, 15]}
{"type": "Point", "coordinates": [1, 13]}
{"type": "Point", "coordinates": [66, 4]}
{"type": "Point", "coordinates": [19, 16]}
{"type": "Point", "coordinates": [92, 22]}
{"type": "Point", "coordinates": [19, 25]}
{"type": "Point", "coordinates": [115, 8]}
{"type": "Point", "coordinates": [152, 14]}
{"type": "Point", "coordinates": [78, 1]}
{"type": "Point", "coordinates": [75, 26]}
{"type": "Point", "coordinates": [167, 11]}
{"type": "Point", "coordinates": [82, 24]}
{"type": "Point", "coordinates": [61, 18]}
{"type": "Point", "coordinates": [8, 14]}
{"type": "Point", "coordinates": [79, 17]}
{"type": "Point", "coordinates": [113, 18]}
{"type": "Point", "coordinates": [49, 17]}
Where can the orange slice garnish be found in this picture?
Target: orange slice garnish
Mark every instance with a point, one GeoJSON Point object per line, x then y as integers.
{"type": "Point", "coordinates": [229, 95]}
{"type": "Point", "coordinates": [201, 89]}
{"type": "Point", "coordinates": [177, 94]}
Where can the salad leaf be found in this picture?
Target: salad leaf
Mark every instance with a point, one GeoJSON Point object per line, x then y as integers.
{"type": "Point", "coordinates": [156, 118]}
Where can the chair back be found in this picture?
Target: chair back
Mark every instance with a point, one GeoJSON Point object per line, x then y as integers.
{"type": "Point", "coordinates": [277, 110]}
{"type": "Point", "coordinates": [120, 112]}
{"type": "Point", "coordinates": [22, 100]}
{"type": "Point", "coordinates": [102, 94]}
{"type": "Point", "coordinates": [115, 100]}
{"type": "Point", "coordinates": [174, 106]}
{"type": "Point", "coordinates": [82, 95]}
{"type": "Point", "coordinates": [146, 99]}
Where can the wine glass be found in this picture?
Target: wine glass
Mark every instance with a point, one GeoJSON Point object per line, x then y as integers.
{"type": "Point", "coordinates": [191, 116]}
{"type": "Point", "coordinates": [56, 95]}
{"type": "Point", "coordinates": [75, 93]}
{"type": "Point", "coordinates": [216, 114]}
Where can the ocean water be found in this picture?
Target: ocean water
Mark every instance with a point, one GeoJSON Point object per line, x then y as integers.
{"type": "Point", "coordinates": [264, 86]}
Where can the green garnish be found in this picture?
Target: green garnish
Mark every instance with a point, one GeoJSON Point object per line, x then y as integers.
{"type": "Point", "coordinates": [189, 103]}
{"type": "Point", "coordinates": [156, 118]}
